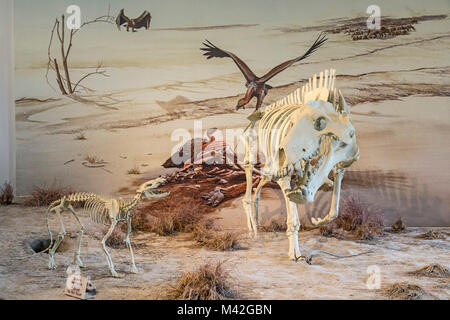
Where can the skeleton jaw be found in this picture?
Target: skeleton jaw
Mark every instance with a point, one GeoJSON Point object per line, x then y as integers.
{"type": "Point", "coordinates": [313, 172]}
{"type": "Point", "coordinates": [156, 194]}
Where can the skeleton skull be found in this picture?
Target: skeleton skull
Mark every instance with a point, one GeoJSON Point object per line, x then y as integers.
{"type": "Point", "coordinates": [322, 137]}
{"type": "Point", "coordinates": [148, 189]}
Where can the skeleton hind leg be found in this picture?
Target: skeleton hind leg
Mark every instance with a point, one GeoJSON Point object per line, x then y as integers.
{"type": "Point", "coordinates": [133, 268]}
{"type": "Point", "coordinates": [256, 198]}
{"type": "Point", "coordinates": [61, 235]}
{"type": "Point", "coordinates": [105, 251]}
{"type": "Point", "coordinates": [76, 256]}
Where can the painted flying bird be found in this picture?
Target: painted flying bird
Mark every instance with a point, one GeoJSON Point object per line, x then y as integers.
{"type": "Point", "coordinates": [256, 86]}
{"type": "Point", "coordinates": [143, 21]}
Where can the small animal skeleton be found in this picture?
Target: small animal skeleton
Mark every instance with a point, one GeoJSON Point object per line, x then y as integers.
{"type": "Point", "coordinates": [301, 138]}
{"type": "Point", "coordinates": [143, 21]}
{"type": "Point", "coordinates": [103, 211]}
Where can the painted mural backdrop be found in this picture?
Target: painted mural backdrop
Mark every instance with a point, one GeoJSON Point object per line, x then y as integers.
{"type": "Point", "coordinates": [100, 107]}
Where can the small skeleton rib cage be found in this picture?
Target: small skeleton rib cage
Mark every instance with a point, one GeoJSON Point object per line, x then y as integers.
{"type": "Point", "coordinates": [302, 138]}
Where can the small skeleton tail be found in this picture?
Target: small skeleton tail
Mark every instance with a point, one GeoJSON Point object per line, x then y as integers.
{"type": "Point", "coordinates": [49, 211]}
{"type": "Point", "coordinates": [315, 252]}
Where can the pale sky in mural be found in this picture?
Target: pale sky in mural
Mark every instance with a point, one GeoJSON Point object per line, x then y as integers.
{"type": "Point", "coordinates": [176, 13]}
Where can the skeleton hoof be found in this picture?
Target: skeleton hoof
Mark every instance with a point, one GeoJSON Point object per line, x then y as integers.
{"type": "Point", "coordinates": [114, 274]}
{"type": "Point", "coordinates": [78, 262]}
{"type": "Point", "coordinates": [51, 265]}
{"type": "Point", "coordinates": [296, 258]}
{"type": "Point", "coordinates": [134, 270]}
{"type": "Point", "coordinates": [316, 222]}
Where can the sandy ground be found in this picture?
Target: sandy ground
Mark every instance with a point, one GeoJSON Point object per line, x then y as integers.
{"type": "Point", "coordinates": [260, 271]}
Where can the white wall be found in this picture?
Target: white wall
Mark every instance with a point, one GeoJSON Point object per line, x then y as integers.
{"type": "Point", "coordinates": [7, 108]}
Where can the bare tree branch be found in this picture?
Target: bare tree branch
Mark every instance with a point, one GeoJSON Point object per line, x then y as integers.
{"type": "Point", "coordinates": [67, 87]}
{"type": "Point", "coordinates": [97, 71]}
{"type": "Point", "coordinates": [49, 63]}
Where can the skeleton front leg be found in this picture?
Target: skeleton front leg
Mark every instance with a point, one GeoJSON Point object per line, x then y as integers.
{"type": "Point", "coordinates": [247, 200]}
{"type": "Point", "coordinates": [61, 235]}
{"type": "Point", "coordinates": [133, 268]}
{"type": "Point", "coordinates": [76, 257]}
{"type": "Point", "coordinates": [292, 221]}
{"type": "Point", "coordinates": [256, 198]}
{"type": "Point", "coordinates": [334, 208]}
{"type": "Point", "coordinates": [108, 257]}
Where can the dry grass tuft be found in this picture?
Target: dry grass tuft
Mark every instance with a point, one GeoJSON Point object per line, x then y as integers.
{"type": "Point", "coordinates": [356, 221]}
{"type": "Point", "coordinates": [398, 226]}
{"type": "Point", "coordinates": [405, 291]}
{"type": "Point", "coordinates": [182, 216]}
{"type": "Point", "coordinates": [6, 194]}
{"type": "Point", "coordinates": [94, 160]}
{"type": "Point", "coordinates": [433, 271]}
{"type": "Point", "coordinates": [208, 237]}
{"type": "Point", "coordinates": [432, 235]}
{"type": "Point", "coordinates": [135, 170]}
{"type": "Point", "coordinates": [208, 282]}
{"type": "Point", "coordinates": [273, 225]}
{"type": "Point", "coordinates": [80, 137]}
{"type": "Point", "coordinates": [116, 240]}
{"type": "Point", "coordinates": [44, 196]}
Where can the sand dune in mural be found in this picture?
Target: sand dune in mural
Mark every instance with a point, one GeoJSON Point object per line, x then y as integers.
{"type": "Point", "coordinates": [391, 85]}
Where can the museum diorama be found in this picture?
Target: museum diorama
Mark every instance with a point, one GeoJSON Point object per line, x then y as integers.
{"type": "Point", "coordinates": [135, 165]}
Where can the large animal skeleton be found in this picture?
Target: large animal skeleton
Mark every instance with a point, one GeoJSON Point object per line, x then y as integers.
{"type": "Point", "coordinates": [103, 211]}
{"type": "Point", "coordinates": [302, 138]}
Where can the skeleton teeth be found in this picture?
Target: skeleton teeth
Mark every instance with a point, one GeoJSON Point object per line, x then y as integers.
{"type": "Point", "coordinates": [290, 168]}
{"type": "Point", "coordinates": [303, 163]}
{"type": "Point", "coordinates": [321, 159]}
{"type": "Point", "coordinates": [308, 169]}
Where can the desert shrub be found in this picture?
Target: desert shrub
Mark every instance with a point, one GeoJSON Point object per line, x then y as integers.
{"type": "Point", "coordinates": [80, 137]}
{"type": "Point", "coordinates": [432, 235]}
{"type": "Point", "coordinates": [356, 220]}
{"type": "Point", "coordinates": [44, 196]}
{"type": "Point", "coordinates": [135, 170]}
{"type": "Point", "coordinates": [94, 160]}
{"type": "Point", "coordinates": [273, 225]}
{"type": "Point", "coordinates": [398, 226]}
{"type": "Point", "coordinates": [178, 217]}
{"type": "Point", "coordinates": [6, 194]}
{"type": "Point", "coordinates": [215, 239]}
{"type": "Point", "coordinates": [432, 271]}
{"type": "Point", "coordinates": [405, 291]}
{"type": "Point", "coordinates": [116, 240]}
{"type": "Point", "coordinates": [210, 281]}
